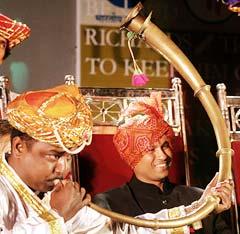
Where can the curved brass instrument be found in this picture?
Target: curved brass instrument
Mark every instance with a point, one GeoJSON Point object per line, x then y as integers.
{"type": "Point", "coordinates": [156, 39]}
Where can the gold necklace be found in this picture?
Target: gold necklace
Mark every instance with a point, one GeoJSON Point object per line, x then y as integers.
{"type": "Point", "coordinates": [29, 197]}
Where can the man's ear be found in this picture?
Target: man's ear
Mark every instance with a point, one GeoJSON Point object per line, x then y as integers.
{"type": "Point", "coordinates": [18, 146]}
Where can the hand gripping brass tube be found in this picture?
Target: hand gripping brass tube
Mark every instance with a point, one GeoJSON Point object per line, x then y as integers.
{"type": "Point", "coordinates": [162, 44]}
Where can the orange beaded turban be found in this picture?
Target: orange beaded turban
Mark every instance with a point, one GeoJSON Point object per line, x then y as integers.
{"type": "Point", "coordinates": [58, 116]}
{"type": "Point", "coordinates": [13, 31]}
{"type": "Point", "coordinates": [144, 126]}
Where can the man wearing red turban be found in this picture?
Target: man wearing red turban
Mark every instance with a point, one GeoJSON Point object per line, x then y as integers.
{"type": "Point", "coordinates": [12, 33]}
{"type": "Point", "coordinates": [144, 142]}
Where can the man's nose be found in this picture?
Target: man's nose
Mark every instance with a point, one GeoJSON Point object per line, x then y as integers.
{"type": "Point", "coordinates": [61, 165]}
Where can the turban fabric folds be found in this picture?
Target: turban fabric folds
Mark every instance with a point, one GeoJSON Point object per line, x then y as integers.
{"type": "Point", "coordinates": [144, 125]}
{"type": "Point", "coordinates": [58, 116]}
{"type": "Point", "coordinates": [13, 31]}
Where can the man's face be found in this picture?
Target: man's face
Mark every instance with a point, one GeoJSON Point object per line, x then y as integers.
{"type": "Point", "coordinates": [3, 45]}
{"type": "Point", "coordinates": [40, 164]}
{"type": "Point", "coordinates": [154, 165]}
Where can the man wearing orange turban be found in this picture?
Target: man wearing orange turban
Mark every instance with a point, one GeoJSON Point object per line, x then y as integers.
{"type": "Point", "coordinates": [47, 126]}
{"type": "Point", "coordinates": [144, 142]}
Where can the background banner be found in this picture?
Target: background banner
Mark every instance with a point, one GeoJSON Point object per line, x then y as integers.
{"type": "Point", "coordinates": [103, 58]}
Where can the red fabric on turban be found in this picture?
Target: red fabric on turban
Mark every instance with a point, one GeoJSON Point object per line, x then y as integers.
{"type": "Point", "coordinates": [144, 125]}
{"type": "Point", "coordinates": [13, 31]}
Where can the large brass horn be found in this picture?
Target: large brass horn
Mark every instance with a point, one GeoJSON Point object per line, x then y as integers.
{"type": "Point", "coordinates": [156, 39]}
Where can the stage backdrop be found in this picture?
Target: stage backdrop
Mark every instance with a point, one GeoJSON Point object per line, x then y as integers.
{"type": "Point", "coordinates": [103, 58]}
{"type": "Point", "coordinates": [48, 54]}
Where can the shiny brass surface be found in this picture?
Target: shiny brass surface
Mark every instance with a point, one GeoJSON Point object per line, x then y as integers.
{"type": "Point", "coordinates": [209, 206]}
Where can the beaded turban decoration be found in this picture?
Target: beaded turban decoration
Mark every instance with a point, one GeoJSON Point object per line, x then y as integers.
{"type": "Point", "coordinates": [144, 125]}
{"type": "Point", "coordinates": [58, 116]}
{"type": "Point", "coordinates": [13, 31]}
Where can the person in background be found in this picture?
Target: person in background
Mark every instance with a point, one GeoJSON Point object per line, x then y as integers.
{"type": "Point", "coordinates": [12, 33]}
{"type": "Point", "coordinates": [145, 142]}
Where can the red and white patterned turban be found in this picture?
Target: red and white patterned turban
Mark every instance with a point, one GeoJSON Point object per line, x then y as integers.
{"type": "Point", "coordinates": [144, 126]}
{"type": "Point", "coordinates": [13, 31]}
